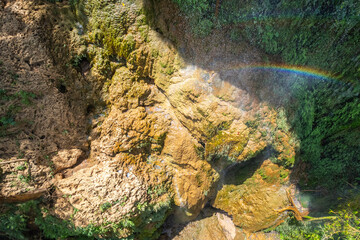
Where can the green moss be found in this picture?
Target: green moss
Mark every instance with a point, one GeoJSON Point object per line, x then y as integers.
{"type": "Point", "coordinates": [198, 179]}
{"type": "Point", "coordinates": [101, 61]}
{"type": "Point", "coordinates": [169, 70]}
{"type": "Point", "coordinates": [163, 65]}
{"type": "Point", "coordinates": [105, 206]}
{"type": "Point", "coordinates": [77, 59]}
{"type": "Point", "coordinates": [202, 112]}
{"type": "Point", "coordinates": [225, 145]}
{"type": "Point", "coordinates": [261, 172]}
{"type": "Point", "coordinates": [211, 129]}
{"type": "Point", "coordinates": [144, 32]}
{"type": "Point", "coordinates": [154, 53]}
{"type": "Point", "coordinates": [227, 197]}
{"type": "Point", "coordinates": [200, 151]}
{"type": "Point", "coordinates": [284, 174]}
{"type": "Point", "coordinates": [126, 46]}
{"type": "Point", "coordinates": [160, 140]}
{"type": "Point", "coordinates": [290, 161]}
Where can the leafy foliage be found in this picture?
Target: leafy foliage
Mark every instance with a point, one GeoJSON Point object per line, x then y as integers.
{"type": "Point", "coordinates": [105, 206]}
{"type": "Point", "coordinates": [14, 218]}
{"type": "Point", "coordinates": [292, 229]}
{"type": "Point", "coordinates": [142, 224]}
{"type": "Point", "coordinates": [342, 224]}
{"type": "Point", "coordinates": [328, 126]}
{"type": "Point", "coordinates": [317, 33]}
{"type": "Point", "coordinates": [200, 14]}
{"type": "Point", "coordinates": [13, 225]}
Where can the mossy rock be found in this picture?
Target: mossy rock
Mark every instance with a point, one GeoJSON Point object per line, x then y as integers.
{"type": "Point", "coordinates": [253, 202]}
{"type": "Point", "coordinates": [124, 48]}
{"type": "Point", "coordinates": [225, 143]}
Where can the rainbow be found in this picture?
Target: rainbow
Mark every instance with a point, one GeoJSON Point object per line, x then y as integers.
{"type": "Point", "coordinates": [299, 70]}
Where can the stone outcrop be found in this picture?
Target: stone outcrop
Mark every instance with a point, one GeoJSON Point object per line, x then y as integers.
{"type": "Point", "coordinates": [157, 132]}
{"type": "Point", "coordinates": [220, 226]}
{"type": "Point", "coordinates": [254, 204]}
{"type": "Point", "coordinates": [66, 158]}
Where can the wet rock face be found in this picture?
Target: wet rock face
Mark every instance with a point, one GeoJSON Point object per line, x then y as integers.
{"type": "Point", "coordinates": [232, 131]}
{"type": "Point", "coordinates": [193, 178]}
{"type": "Point", "coordinates": [158, 128]}
{"type": "Point", "coordinates": [254, 203]}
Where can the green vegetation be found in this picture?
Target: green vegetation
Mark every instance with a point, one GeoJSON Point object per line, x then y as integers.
{"type": "Point", "coordinates": [261, 172]}
{"type": "Point", "coordinates": [200, 151]}
{"type": "Point", "coordinates": [321, 34]}
{"type": "Point", "coordinates": [25, 97]}
{"type": "Point", "coordinates": [105, 206]}
{"type": "Point", "coordinates": [157, 191]}
{"type": "Point", "coordinates": [77, 59]}
{"type": "Point", "coordinates": [142, 224]}
{"type": "Point", "coordinates": [213, 129]}
{"type": "Point", "coordinates": [343, 224]}
{"type": "Point", "coordinates": [159, 142]}
{"type": "Point", "coordinates": [225, 146]}
{"type": "Point", "coordinates": [328, 128]}
{"type": "Point", "coordinates": [324, 115]}
{"type": "Point", "coordinates": [24, 178]}
{"type": "Point", "coordinates": [253, 124]}
{"type": "Point", "coordinates": [12, 104]}
{"type": "Point", "coordinates": [200, 14]}
{"type": "Point", "coordinates": [21, 167]}
{"type": "Point", "coordinates": [13, 225]}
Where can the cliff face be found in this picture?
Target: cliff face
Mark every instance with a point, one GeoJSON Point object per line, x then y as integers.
{"type": "Point", "coordinates": [125, 127]}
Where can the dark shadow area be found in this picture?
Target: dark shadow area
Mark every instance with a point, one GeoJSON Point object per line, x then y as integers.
{"type": "Point", "coordinates": [85, 66]}
{"type": "Point", "coordinates": [61, 88]}
{"type": "Point", "coordinates": [237, 173]}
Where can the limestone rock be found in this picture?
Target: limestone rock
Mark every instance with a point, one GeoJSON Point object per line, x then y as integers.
{"type": "Point", "coordinates": [193, 178]}
{"type": "Point", "coordinates": [254, 203]}
{"type": "Point", "coordinates": [220, 227]}
{"type": "Point", "coordinates": [90, 188]}
{"type": "Point", "coordinates": [216, 227]}
{"type": "Point", "coordinates": [66, 158]}
{"type": "Point", "coordinates": [157, 128]}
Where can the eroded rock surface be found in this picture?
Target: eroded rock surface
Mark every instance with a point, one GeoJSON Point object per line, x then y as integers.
{"type": "Point", "coordinates": [219, 227]}
{"type": "Point", "coordinates": [135, 129]}
{"type": "Point", "coordinates": [254, 204]}
{"type": "Point", "coordinates": [38, 119]}
{"type": "Point", "coordinates": [66, 158]}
